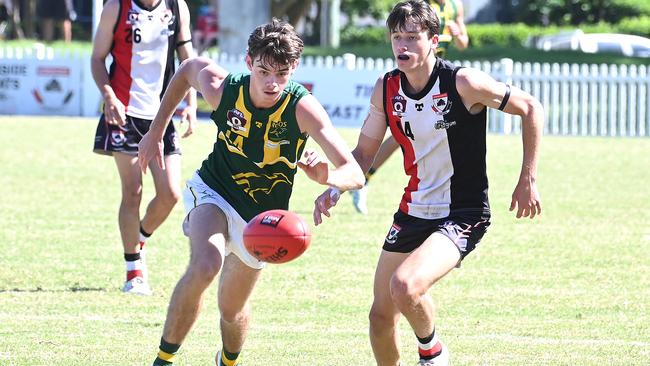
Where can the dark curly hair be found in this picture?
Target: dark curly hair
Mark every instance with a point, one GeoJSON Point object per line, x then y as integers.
{"type": "Point", "coordinates": [275, 43]}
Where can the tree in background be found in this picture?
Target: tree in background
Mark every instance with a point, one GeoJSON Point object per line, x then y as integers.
{"type": "Point", "coordinates": [575, 12]}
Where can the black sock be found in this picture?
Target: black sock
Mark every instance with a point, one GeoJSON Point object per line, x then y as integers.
{"type": "Point", "coordinates": [146, 234]}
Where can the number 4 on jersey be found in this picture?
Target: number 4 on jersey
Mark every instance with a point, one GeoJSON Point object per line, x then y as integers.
{"type": "Point", "coordinates": [407, 131]}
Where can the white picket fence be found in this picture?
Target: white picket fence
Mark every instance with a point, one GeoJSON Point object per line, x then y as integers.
{"type": "Point", "coordinates": [582, 100]}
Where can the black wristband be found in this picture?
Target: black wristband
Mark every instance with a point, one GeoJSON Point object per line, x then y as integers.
{"type": "Point", "coordinates": [183, 42]}
{"type": "Point", "coordinates": [505, 98]}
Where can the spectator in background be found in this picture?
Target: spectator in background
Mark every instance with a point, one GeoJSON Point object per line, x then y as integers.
{"type": "Point", "coordinates": [205, 33]}
{"type": "Point", "coordinates": [10, 20]}
{"type": "Point", "coordinates": [452, 29]}
{"type": "Point", "coordinates": [59, 12]}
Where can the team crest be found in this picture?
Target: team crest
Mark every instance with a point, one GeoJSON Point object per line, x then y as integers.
{"type": "Point", "coordinates": [236, 120]}
{"type": "Point", "coordinates": [118, 138]}
{"type": "Point", "coordinates": [391, 238]}
{"type": "Point", "coordinates": [441, 104]}
{"type": "Point", "coordinates": [133, 17]}
{"type": "Point", "coordinates": [399, 105]}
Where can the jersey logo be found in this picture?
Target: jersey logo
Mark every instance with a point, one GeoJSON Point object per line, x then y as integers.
{"type": "Point", "coordinates": [444, 124]}
{"type": "Point", "coordinates": [254, 184]}
{"type": "Point", "coordinates": [419, 107]}
{"type": "Point", "coordinates": [441, 104]}
{"type": "Point", "coordinates": [278, 129]}
{"type": "Point", "coordinates": [168, 17]}
{"type": "Point", "coordinates": [236, 120]}
{"type": "Point", "coordinates": [399, 105]}
{"type": "Point", "coordinates": [391, 238]}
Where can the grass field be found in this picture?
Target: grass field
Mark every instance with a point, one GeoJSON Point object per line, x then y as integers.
{"type": "Point", "coordinates": [572, 288]}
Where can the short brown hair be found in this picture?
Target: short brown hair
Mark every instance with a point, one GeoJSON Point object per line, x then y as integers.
{"type": "Point", "coordinates": [418, 11]}
{"type": "Point", "coordinates": [275, 43]}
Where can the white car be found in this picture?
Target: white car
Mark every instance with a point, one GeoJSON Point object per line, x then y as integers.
{"type": "Point", "coordinates": [623, 44]}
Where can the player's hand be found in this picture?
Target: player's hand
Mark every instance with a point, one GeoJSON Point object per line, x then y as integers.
{"type": "Point", "coordinates": [454, 29]}
{"type": "Point", "coordinates": [114, 112]}
{"type": "Point", "coordinates": [323, 203]}
{"type": "Point", "coordinates": [315, 168]}
{"type": "Point", "coordinates": [189, 115]}
{"type": "Point", "coordinates": [150, 148]}
{"type": "Point", "coordinates": [526, 199]}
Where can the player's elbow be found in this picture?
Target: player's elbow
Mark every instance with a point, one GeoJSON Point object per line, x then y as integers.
{"type": "Point", "coordinates": [534, 108]}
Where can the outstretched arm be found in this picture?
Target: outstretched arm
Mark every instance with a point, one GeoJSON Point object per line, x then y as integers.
{"type": "Point", "coordinates": [313, 120]}
{"type": "Point", "coordinates": [200, 73]}
{"type": "Point", "coordinates": [372, 133]}
{"type": "Point", "coordinates": [478, 89]}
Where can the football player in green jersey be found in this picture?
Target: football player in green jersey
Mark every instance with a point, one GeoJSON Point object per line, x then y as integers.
{"type": "Point", "coordinates": [263, 120]}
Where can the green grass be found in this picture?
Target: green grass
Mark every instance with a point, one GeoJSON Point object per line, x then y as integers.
{"type": "Point", "coordinates": [572, 288]}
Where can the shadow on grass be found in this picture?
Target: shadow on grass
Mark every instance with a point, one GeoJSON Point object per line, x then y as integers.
{"type": "Point", "coordinates": [69, 289]}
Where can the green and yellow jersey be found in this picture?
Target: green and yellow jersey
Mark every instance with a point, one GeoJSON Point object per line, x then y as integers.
{"type": "Point", "coordinates": [446, 12]}
{"type": "Point", "coordinates": [253, 162]}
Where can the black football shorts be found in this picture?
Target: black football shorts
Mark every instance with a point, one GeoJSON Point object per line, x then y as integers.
{"type": "Point", "coordinates": [407, 233]}
{"type": "Point", "coordinates": [125, 139]}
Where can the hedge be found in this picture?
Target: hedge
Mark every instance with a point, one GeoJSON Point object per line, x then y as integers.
{"type": "Point", "coordinates": [505, 35]}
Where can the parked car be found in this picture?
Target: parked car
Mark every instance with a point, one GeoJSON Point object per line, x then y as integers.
{"type": "Point", "coordinates": [623, 44]}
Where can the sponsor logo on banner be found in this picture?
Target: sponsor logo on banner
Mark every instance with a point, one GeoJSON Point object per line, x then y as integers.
{"type": "Point", "coordinates": [52, 90]}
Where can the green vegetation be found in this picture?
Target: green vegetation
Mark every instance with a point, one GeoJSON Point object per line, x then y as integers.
{"type": "Point", "coordinates": [568, 288]}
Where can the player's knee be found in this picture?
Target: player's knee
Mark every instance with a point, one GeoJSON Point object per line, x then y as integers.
{"type": "Point", "coordinates": [404, 292]}
{"type": "Point", "coordinates": [170, 198]}
{"type": "Point", "coordinates": [380, 320]}
{"type": "Point", "coordinates": [231, 313]}
{"type": "Point", "coordinates": [205, 267]}
{"type": "Point", "coordinates": [131, 196]}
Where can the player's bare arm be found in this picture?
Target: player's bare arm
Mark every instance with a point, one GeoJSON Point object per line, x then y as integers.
{"type": "Point", "coordinates": [114, 110]}
{"type": "Point", "coordinates": [313, 120]}
{"type": "Point", "coordinates": [370, 138]}
{"type": "Point", "coordinates": [185, 51]}
{"type": "Point", "coordinates": [200, 73]}
{"type": "Point", "coordinates": [373, 129]}
{"type": "Point", "coordinates": [457, 27]}
{"type": "Point", "coordinates": [478, 89]}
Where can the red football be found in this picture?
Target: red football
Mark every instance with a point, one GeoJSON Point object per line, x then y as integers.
{"type": "Point", "coordinates": [276, 236]}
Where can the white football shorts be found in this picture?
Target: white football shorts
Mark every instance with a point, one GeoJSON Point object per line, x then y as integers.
{"type": "Point", "coordinates": [198, 193]}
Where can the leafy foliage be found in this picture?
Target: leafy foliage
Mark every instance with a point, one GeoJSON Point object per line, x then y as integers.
{"type": "Point", "coordinates": [574, 12]}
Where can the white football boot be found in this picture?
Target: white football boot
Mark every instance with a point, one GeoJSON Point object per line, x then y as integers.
{"type": "Point", "coordinates": [137, 286]}
{"type": "Point", "coordinates": [360, 199]}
